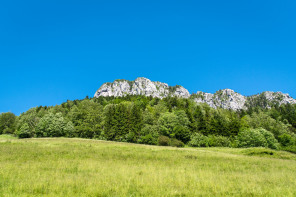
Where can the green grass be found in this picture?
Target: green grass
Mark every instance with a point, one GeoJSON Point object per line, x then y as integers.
{"type": "Point", "coordinates": [7, 136]}
{"type": "Point", "coordinates": [79, 167]}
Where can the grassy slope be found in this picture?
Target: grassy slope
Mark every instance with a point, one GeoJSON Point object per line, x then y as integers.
{"type": "Point", "coordinates": [67, 167]}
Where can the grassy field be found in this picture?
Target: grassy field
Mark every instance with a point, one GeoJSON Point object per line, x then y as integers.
{"type": "Point", "coordinates": [80, 167]}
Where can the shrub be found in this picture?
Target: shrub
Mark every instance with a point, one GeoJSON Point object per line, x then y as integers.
{"type": "Point", "coordinates": [130, 137]}
{"type": "Point", "coordinates": [218, 141]}
{"type": "Point", "coordinates": [52, 125]}
{"type": "Point", "coordinates": [182, 133]}
{"type": "Point", "coordinates": [291, 149]}
{"type": "Point", "coordinates": [271, 141]}
{"type": "Point", "coordinates": [258, 152]}
{"type": "Point", "coordinates": [177, 143]}
{"type": "Point", "coordinates": [100, 137]}
{"type": "Point", "coordinates": [147, 139]}
{"type": "Point", "coordinates": [256, 138]}
{"type": "Point", "coordinates": [163, 141]}
{"type": "Point", "coordinates": [8, 131]}
{"type": "Point", "coordinates": [286, 139]}
{"type": "Point", "coordinates": [149, 135]}
{"type": "Point", "coordinates": [198, 140]}
{"type": "Point", "coordinates": [24, 131]}
{"type": "Point", "coordinates": [251, 138]}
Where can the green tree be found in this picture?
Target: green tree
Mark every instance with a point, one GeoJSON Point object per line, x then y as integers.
{"type": "Point", "coordinates": [52, 125]}
{"type": "Point", "coordinates": [198, 140]}
{"type": "Point", "coordinates": [136, 122]}
{"type": "Point", "coordinates": [109, 122]}
{"type": "Point", "coordinates": [181, 130]}
{"type": "Point", "coordinates": [87, 117]}
{"type": "Point", "coordinates": [31, 118]}
{"type": "Point", "coordinates": [256, 138]}
{"type": "Point", "coordinates": [263, 120]}
{"type": "Point", "coordinates": [24, 131]}
{"type": "Point", "coordinates": [7, 122]}
{"type": "Point", "coordinates": [149, 135]}
{"type": "Point", "coordinates": [121, 117]}
{"type": "Point", "coordinates": [167, 122]}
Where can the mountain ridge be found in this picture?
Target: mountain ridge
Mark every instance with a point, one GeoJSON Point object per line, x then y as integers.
{"type": "Point", "coordinates": [225, 98]}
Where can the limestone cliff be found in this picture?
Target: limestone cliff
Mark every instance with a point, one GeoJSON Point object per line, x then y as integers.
{"type": "Point", "coordinates": [141, 86]}
{"type": "Point", "coordinates": [227, 98]}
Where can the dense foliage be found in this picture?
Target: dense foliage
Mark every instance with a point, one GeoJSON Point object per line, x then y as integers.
{"type": "Point", "coordinates": [170, 121]}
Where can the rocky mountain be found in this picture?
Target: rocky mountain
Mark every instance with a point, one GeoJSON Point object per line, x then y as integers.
{"type": "Point", "coordinates": [141, 86]}
{"type": "Point", "coordinates": [227, 98]}
{"type": "Point", "coordinates": [267, 99]}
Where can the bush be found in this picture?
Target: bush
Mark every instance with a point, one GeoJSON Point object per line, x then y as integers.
{"type": "Point", "coordinates": [163, 141]}
{"type": "Point", "coordinates": [177, 143]}
{"type": "Point", "coordinates": [8, 131]}
{"type": "Point", "coordinates": [291, 149]}
{"type": "Point", "coordinates": [149, 135]}
{"type": "Point", "coordinates": [147, 139]}
{"type": "Point", "coordinates": [218, 141]}
{"type": "Point", "coordinates": [24, 131]}
{"type": "Point", "coordinates": [271, 141]}
{"type": "Point", "coordinates": [198, 140]}
{"type": "Point", "coordinates": [52, 125]}
{"type": "Point", "coordinates": [182, 133]}
{"type": "Point", "coordinates": [256, 138]}
{"type": "Point", "coordinates": [258, 152]}
{"type": "Point", "coordinates": [130, 137]}
{"type": "Point", "coordinates": [286, 140]}
{"type": "Point", "coordinates": [251, 138]}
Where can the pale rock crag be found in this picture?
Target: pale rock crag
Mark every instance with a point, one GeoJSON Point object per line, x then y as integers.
{"type": "Point", "coordinates": [273, 98]}
{"type": "Point", "coordinates": [141, 86]}
{"type": "Point", "coordinates": [280, 97]}
{"type": "Point", "coordinates": [227, 98]}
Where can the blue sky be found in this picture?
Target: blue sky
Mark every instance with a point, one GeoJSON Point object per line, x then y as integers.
{"type": "Point", "coordinates": [51, 51]}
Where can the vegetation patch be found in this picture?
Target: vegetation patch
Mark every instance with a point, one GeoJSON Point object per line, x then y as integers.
{"type": "Point", "coordinates": [82, 167]}
{"type": "Point", "coordinates": [264, 152]}
{"type": "Point", "coordinates": [142, 119]}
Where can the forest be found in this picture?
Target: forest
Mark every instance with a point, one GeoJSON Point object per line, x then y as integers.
{"type": "Point", "coordinates": [170, 121]}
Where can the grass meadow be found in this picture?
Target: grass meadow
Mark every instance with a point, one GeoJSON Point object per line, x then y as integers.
{"type": "Point", "coordinates": [81, 167]}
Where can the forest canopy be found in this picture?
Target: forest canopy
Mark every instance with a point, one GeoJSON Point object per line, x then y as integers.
{"type": "Point", "coordinates": [170, 121]}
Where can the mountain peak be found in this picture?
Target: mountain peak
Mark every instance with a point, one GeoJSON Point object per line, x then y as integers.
{"type": "Point", "coordinates": [141, 86]}
{"type": "Point", "coordinates": [225, 98]}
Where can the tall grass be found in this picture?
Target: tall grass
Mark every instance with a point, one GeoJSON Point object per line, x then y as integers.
{"type": "Point", "coordinates": [77, 167]}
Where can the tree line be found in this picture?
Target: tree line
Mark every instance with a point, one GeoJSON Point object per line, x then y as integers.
{"type": "Point", "coordinates": [169, 121]}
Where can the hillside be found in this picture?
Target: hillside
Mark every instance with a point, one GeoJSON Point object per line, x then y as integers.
{"type": "Point", "coordinates": [227, 98]}
{"type": "Point", "coordinates": [77, 167]}
{"type": "Point", "coordinates": [172, 121]}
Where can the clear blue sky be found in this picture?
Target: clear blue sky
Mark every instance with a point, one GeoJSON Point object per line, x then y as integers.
{"type": "Point", "coordinates": [51, 51]}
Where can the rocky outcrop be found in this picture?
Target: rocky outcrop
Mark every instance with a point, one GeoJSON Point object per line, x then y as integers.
{"type": "Point", "coordinates": [268, 99]}
{"type": "Point", "coordinates": [141, 86]}
{"type": "Point", "coordinates": [279, 97]}
{"type": "Point", "coordinates": [227, 98]}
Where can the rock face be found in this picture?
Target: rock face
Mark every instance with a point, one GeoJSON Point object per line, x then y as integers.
{"type": "Point", "coordinates": [267, 99]}
{"type": "Point", "coordinates": [227, 98]}
{"type": "Point", "coordinates": [141, 86]}
{"type": "Point", "coordinates": [279, 97]}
